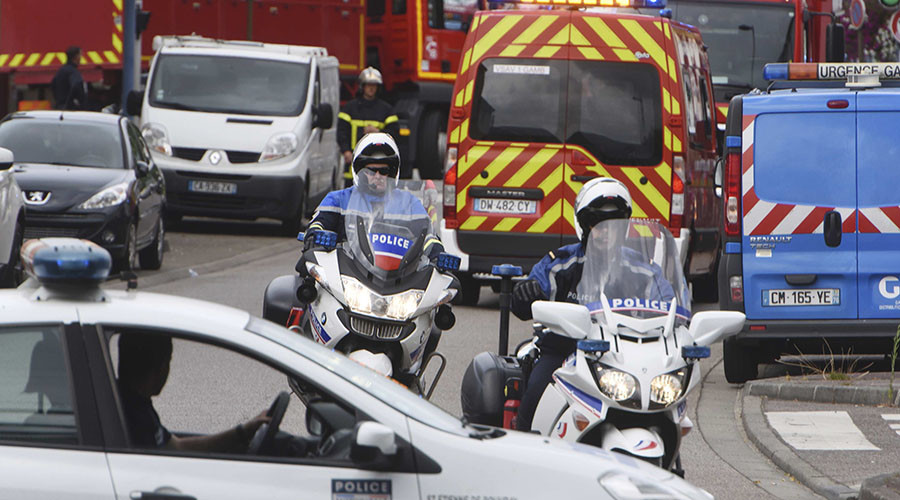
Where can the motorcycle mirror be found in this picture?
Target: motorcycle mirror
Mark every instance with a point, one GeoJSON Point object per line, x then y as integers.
{"type": "Point", "coordinates": [306, 293]}
{"type": "Point", "coordinates": [563, 318]}
{"type": "Point", "coordinates": [593, 345]}
{"type": "Point", "coordinates": [447, 262]}
{"type": "Point", "coordinates": [444, 319]}
{"type": "Point", "coordinates": [708, 327]}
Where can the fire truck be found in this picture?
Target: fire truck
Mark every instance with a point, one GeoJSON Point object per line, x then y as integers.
{"type": "Point", "coordinates": [767, 31]}
{"type": "Point", "coordinates": [415, 43]}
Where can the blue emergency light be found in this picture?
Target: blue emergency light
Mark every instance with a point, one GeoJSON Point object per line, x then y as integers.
{"type": "Point", "coordinates": [506, 270]}
{"type": "Point", "coordinates": [447, 262]}
{"type": "Point", "coordinates": [775, 71]}
{"type": "Point", "coordinates": [695, 352]}
{"type": "Point", "coordinates": [66, 261]}
{"type": "Point", "coordinates": [326, 239]}
{"type": "Point", "coordinates": [637, 4]}
{"type": "Point", "coordinates": [593, 345]}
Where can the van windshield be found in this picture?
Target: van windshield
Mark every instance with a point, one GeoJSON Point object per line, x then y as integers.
{"type": "Point", "coordinates": [613, 110]}
{"type": "Point", "coordinates": [234, 85]}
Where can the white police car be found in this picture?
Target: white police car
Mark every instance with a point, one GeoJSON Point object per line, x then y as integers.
{"type": "Point", "coordinates": [64, 434]}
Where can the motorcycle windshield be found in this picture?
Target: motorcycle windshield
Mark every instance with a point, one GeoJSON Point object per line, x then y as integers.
{"type": "Point", "coordinates": [387, 231]}
{"type": "Point", "coordinates": [635, 263]}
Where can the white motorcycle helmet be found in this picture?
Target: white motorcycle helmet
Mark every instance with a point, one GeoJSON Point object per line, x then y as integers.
{"type": "Point", "coordinates": [600, 199]}
{"type": "Point", "coordinates": [375, 148]}
{"type": "Point", "coordinates": [370, 75]}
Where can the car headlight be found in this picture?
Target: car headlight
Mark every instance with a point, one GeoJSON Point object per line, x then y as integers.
{"type": "Point", "coordinates": [279, 146]}
{"type": "Point", "coordinates": [156, 138]}
{"type": "Point", "coordinates": [362, 300]}
{"type": "Point", "coordinates": [109, 197]}
{"type": "Point", "coordinates": [665, 389]}
{"type": "Point", "coordinates": [622, 486]}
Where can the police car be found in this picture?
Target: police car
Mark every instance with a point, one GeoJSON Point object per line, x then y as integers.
{"type": "Point", "coordinates": [345, 432]}
{"type": "Point", "coordinates": [812, 214]}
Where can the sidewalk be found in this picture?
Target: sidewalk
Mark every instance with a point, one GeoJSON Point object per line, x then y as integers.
{"type": "Point", "coordinates": [814, 392]}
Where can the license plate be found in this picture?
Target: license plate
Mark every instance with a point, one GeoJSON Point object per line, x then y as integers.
{"type": "Point", "coordinates": [505, 206]}
{"type": "Point", "coordinates": [212, 187]}
{"type": "Point", "coordinates": [802, 297]}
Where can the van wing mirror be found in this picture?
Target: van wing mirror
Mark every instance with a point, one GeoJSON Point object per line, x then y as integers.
{"type": "Point", "coordinates": [133, 102]}
{"type": "Point", "coordinates": [6, 159]}
{"type": "Point", "coordinates": [323, 116]}
{"type": "Point", "coordinates": [709, 327]}
{"type": "Point", "coordinates": [563, 318]}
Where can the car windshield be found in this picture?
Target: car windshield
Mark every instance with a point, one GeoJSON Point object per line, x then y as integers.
{"type": "Point", "coordinates": [742, 37]}
{"type": "Point", "coordinates": [64, 142]}
{"type": "Point", "coordinates": [387, 226]}
{"type": "Point", "coordinates": [635, 264]}
{"type": "Point", "coordinates": [382, 388]}
{"type": "Point", "coordinates": [234, 85]}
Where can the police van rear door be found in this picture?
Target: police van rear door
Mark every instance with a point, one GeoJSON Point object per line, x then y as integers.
{"type": "Point", "coordinates": [799, 165]}
{"type": "Point", "coordinates": [878, 178]}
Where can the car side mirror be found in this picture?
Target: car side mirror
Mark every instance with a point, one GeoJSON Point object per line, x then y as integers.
{"type": "Point", "coordinates": [374, 445]}
{"type": "Point", "coordinates": [717, 178]}
{"type": "Point", "coordinates": [325, 417]}
{"type": "Point", "coordinates": [323, 116]}
{"type": "Point", "coordinates": [6, 159]}
{"type": "Point", "coordinates": [133, 102]}
{"type": "Point", "coordinates": [142, 167]}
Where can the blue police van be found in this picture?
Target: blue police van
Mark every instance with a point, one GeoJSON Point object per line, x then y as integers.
{"type": "Point", "coordinates": [811, 192]}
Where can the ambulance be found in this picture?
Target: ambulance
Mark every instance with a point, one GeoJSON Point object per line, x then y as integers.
{"type": "Point", "coordinates": [811, 229]}
{"type": "Point", "coordinates": [549, 98]}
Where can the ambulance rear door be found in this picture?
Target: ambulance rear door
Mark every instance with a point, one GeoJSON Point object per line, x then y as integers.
{"type": "Point", "coordinates": [878, 178]}
{"type": "Point", "coordinates": [510, 166]}
{"type": "Point", "coordinates": [799, 240]}
{"type": "Point", "coordinates": [618, 108]}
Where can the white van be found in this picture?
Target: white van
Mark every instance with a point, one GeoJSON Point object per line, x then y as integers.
{"type": "Point", "coordinates": [242, 129]}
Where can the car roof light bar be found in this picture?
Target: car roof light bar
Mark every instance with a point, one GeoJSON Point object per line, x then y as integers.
{"type": "Point", "coordinates": [646, 4]}
{"type": "Point", "coordinates": [66, 261]}
{"type": "Point", "coordinates": [854, 73]}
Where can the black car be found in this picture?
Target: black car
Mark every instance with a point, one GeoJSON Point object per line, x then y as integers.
{"type": "Point", "coordinates": [89, 175]}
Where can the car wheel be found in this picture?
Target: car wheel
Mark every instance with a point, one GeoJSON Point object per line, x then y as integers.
{"type": "Point", "coordinates": [741, 362]}
{"type": "Point", "coordinates": [129, 260]}
{"type": "Point", "coordinates": [432, 145]}
{"type": "Point", "coordinates": [13, 274]}
{"type": "Point", "coordinates": [152, 256]}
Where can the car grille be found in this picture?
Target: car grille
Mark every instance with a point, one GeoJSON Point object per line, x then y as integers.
{"type": "Point", "coordinates": [51, 232]}
{"type": "Point", "coordinates": [378, 329]}
{"type": "Point", "coordinates": [213, 201]}
{"type": "Point", "coordinates": [196, 154]}
{"type": "Point", "coordinates": [192, 154]}
{"type": "Point", "coordinates": [242, 156]}
{"type": "Point", "coordinates": [65, 225]}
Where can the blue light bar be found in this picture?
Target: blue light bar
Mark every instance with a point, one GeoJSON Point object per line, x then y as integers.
{"type": "Point", "coordinates": [506, 270]}
{"type": "Point", "coordinates": [327, 239]}
{"type": "Point", "coordinates": [593, 345]}
{"type": "Point", "coordinates": [447, 262]}
{"type": "Point", "coordinates": [775, 71]}
{"type": "Point", "coordinates": [732, 141]}
{"type": "Point", "coordinates": [695, 351]}
{"type": "Point", "coordinates": [66, 261]}
{"type": "Point", "coordinates": [647, 4]}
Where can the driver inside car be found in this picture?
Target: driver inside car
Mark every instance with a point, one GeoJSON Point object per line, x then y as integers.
{"type": "Point", "coordinates": [144, 361]}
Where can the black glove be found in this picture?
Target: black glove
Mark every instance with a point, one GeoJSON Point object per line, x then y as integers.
{"type": "Point", "coordinates": [528, 291]}
{"type": "Point", "coordinates": [309, 240]}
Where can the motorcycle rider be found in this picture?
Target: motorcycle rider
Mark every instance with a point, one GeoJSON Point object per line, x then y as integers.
{"type": "Point", "coordinates": [556, 276]}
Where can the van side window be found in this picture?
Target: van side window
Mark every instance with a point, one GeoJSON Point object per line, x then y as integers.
{"type": "Point", "coordinates": [707, 110]}
{"type": "Point", "coordinates": [436, 14]}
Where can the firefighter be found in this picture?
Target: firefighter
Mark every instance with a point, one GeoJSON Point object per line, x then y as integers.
{"type": "Point", "coordinates": [365, 114]}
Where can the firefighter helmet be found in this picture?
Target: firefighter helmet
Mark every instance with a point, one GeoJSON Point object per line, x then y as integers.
{"type": "Point", "coordinates": [600, 199]}
{"type": "Point", "coordinates": [370, 75]}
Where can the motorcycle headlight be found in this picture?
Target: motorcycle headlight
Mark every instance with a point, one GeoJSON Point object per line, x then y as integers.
{"type": "Point", "coordinates": [665, 389]}
{"type": "Point", "coordinates": [362, 300]}
{"type": "Point", "coordinates": [156, 138]}
{"type": "Point", "coordinates": [617, 385]}
{"type": "Point", "coordinates": [109, 197]}
{"type": "Point", "coordinates": [279, 146]}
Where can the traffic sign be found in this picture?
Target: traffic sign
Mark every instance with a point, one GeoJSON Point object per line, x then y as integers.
{"type": "Point", "coordinates": [857, 13]}
{"type": "Point", "coordinates": [895, 25]}
{"type": "Point", "coordinates": [890, 4]}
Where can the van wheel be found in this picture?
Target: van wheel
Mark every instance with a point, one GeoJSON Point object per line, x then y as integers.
{"type": "Point", "coordinates": [469, 291]}
{"type": "Point", "coordinates": [431, 149]}
{"type": "Point", "coordinates": [741, 362]}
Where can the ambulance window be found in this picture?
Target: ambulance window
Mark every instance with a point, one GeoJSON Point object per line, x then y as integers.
{"type": "Point", "coordinates": [519, 100]}
{"type": "Point", "coordinates": [615, 111]}
{"type": "Point", "coordinates": [817, 150]}
{"type": "Point", "coordinates": [707, 110]}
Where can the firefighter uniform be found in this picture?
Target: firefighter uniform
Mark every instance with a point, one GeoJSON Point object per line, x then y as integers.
{"type": "Point", "coordinates": [356, 115]}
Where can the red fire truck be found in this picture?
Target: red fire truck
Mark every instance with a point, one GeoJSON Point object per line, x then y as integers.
{"type": "Point", "coordinates": [766, 31]}
{"type": "Point", "coordinates": [415, 43]}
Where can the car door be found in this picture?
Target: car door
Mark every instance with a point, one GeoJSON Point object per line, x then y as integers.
{"type": "Point", "coordinates": [50, 438]}
{"type": "Point", "coordinates": [799, 165]}
{"type": "Point", "coordinates": [211, 388]}
{"type": "Point", "coordinates": [878, 154]}
{"type": "Point", "coordinates": [146, 184]}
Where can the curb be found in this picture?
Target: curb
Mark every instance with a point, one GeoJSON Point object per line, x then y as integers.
{"type": "Point", "coordinates": [157, 279]}
{"type": "Point", "coordinates": [869, 396]}
{"type": "Point", "coordinates": [757, 428]}
{"type": "Point", "coordinates": [884, 487]}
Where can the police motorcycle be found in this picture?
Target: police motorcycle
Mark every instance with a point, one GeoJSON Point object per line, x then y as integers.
{"type": "Point", "coordinates": [625, 388]}
{"type": "Point", "coordinates": [375, 297]}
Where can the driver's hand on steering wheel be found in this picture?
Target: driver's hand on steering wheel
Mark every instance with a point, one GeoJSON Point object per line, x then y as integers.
{"type": "Point", "coordinates": [249, 428]}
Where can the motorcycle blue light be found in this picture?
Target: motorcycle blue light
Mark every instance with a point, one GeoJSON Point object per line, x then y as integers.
{"type": "Point", "coordinates": [327, 239]}
{"type": "Point", "coordinates": [447, 262]}
{"type": "Point", "coordinates": [66, 261]}
{"type": "Point", "coordinates": [506, 270]}
{"type": "Point", "coordinates": [593, 345]}
{"type": "Point", "coordinates": [695, 352]}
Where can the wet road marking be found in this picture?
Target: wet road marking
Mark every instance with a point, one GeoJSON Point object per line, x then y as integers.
{"type": "Point", "coordinates": [819, 430]}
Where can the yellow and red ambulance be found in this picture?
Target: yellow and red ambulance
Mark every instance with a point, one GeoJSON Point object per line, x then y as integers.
{"type": "Point", "coordinates": [548, 98]}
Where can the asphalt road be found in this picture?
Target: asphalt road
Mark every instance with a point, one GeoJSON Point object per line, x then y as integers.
{"type": "Point", "coordinates": [232, 263]}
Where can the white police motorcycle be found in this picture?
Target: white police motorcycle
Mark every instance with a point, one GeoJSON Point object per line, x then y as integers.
{"type": "Point", "coordinates": [625, 388]}
{"type": "Point", "coordinates": [376, 296]}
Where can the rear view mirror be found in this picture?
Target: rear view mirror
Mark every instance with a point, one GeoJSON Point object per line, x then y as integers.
{"type": "Point", "coordinates": [323, 116]}
{"type": "Point", "coordinates": [563, 318]}
{"type": "Point", "coordinates": [6, 159]}
{"type": "Point", "coordinates": [133, 102]}
{"type": "Point", "coordinates": [709, 327]}
{"type": "Point", "coordinates": [374, 445]}
{"type": "Point", "coordinates": [142, 167]}
{"type": "Point", "coordinates": [323, 418]}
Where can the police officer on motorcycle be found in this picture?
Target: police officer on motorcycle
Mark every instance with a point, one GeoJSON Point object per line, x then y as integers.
{"type": "Point", "coordinates": [556, 278]}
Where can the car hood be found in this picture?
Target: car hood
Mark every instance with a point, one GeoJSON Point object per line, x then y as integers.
{"type": "Point", "coordinates": [231, 132]}
{"type": "Point", "coordinates": [68, 186]}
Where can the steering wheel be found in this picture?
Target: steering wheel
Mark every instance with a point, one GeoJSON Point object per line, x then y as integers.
{"type": "Point", "coordinates": [265, 435]}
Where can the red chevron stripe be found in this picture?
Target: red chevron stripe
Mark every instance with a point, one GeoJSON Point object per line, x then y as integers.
{"type": "Point", "coordinates": [865, 225]}
{"type": "Point", "coordinates": [892, 213]}
{"type": "Point", "coordinates": [771, 221]}
{"type": "Point", "coordinates": [747, 121]}
{"type": "Point", "coordinates": [750, 200]}
{"type": "Point", "coordinates": [747, 160]}
{"type": "Point", "coordinates": [812, 221]}
{"type": "Point", "coordinates": [849, 225]}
